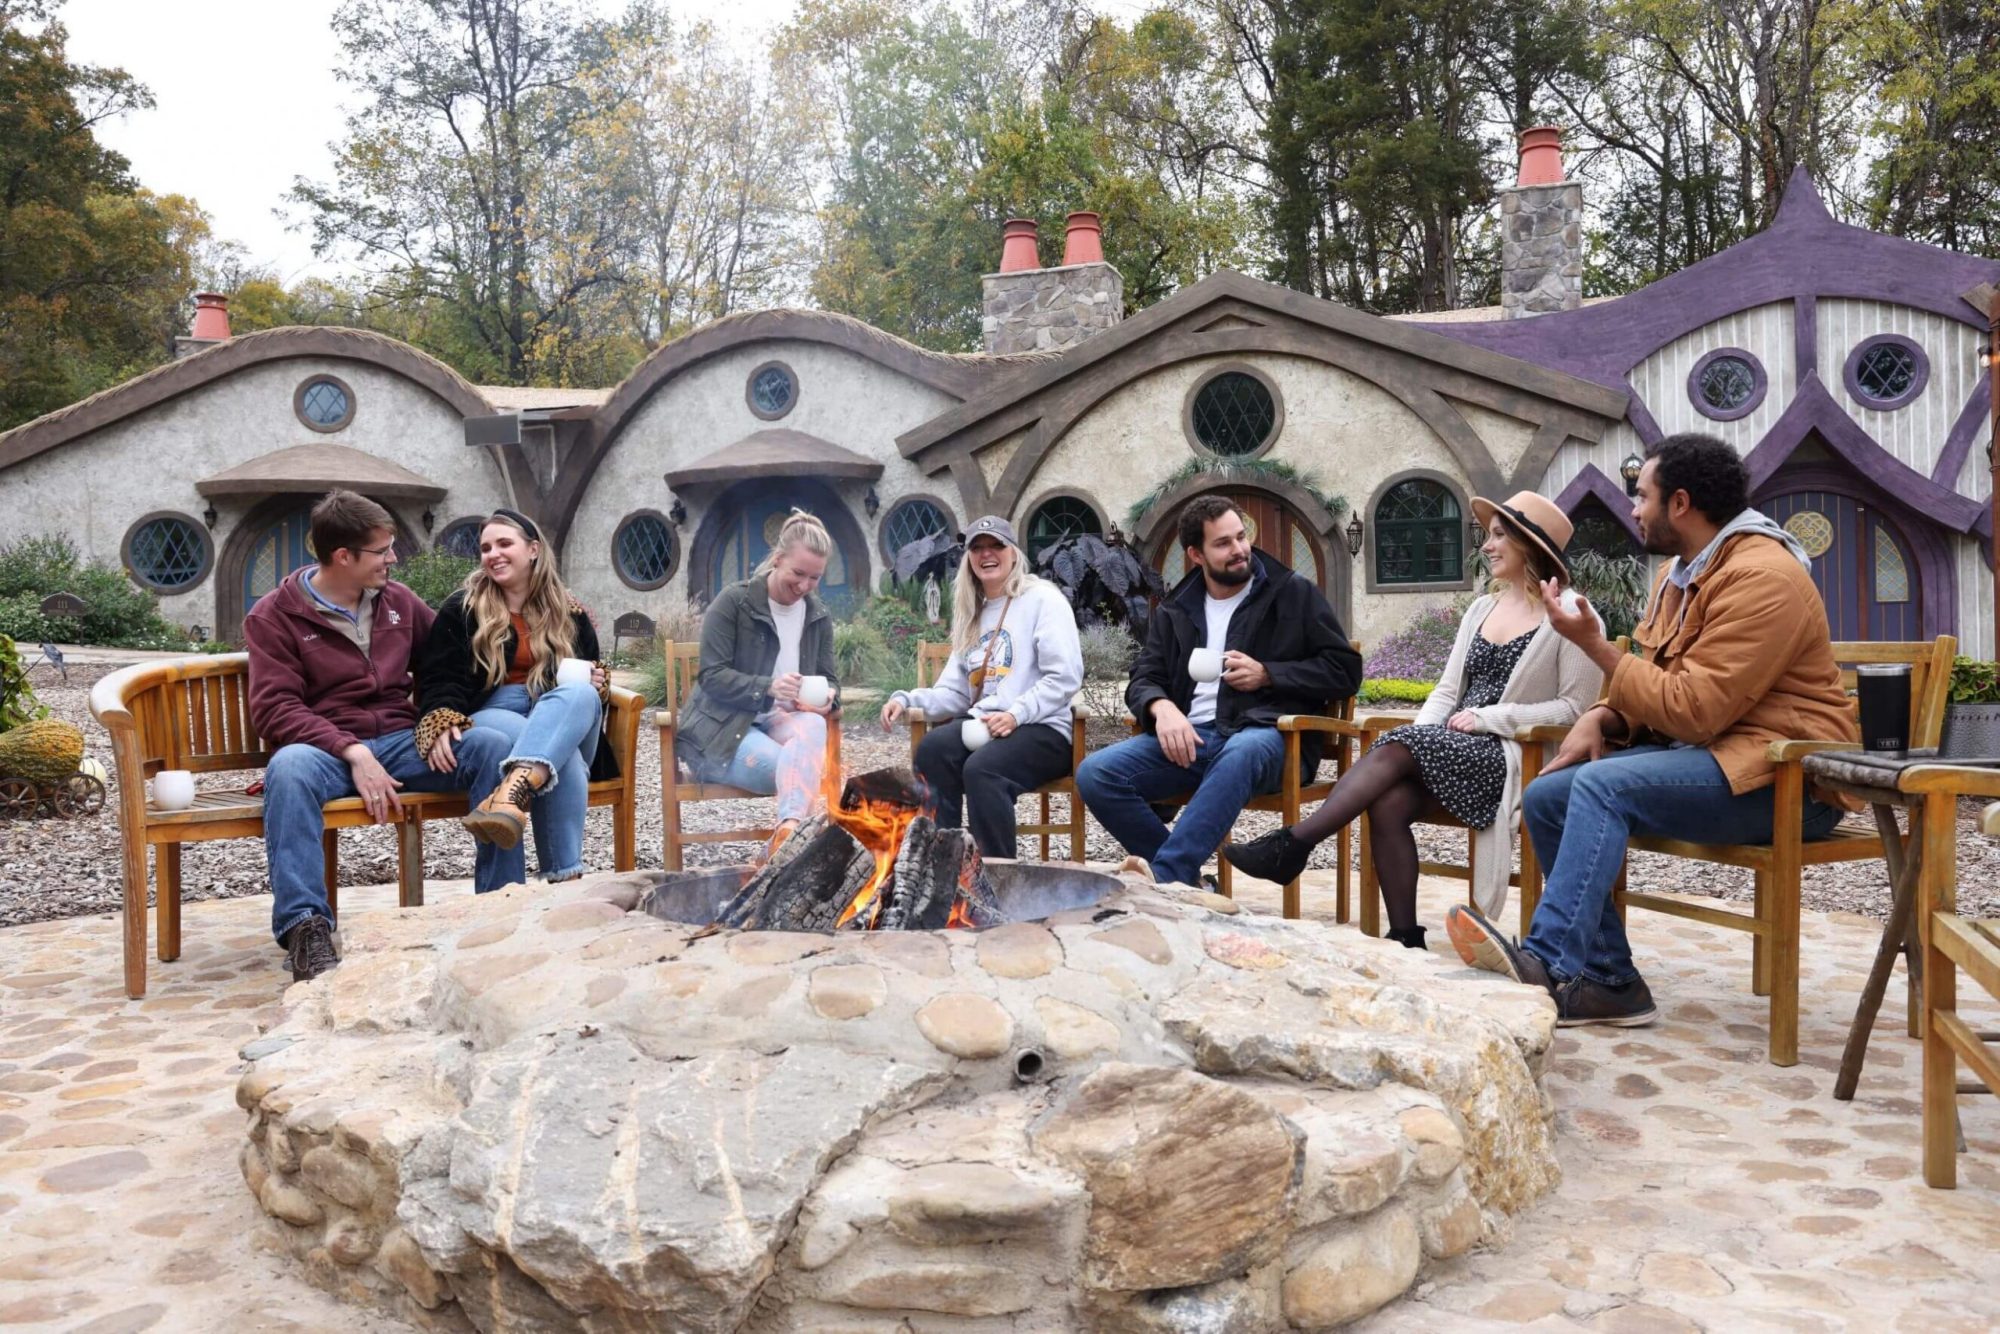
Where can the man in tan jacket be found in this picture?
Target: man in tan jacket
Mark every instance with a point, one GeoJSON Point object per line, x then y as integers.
{"type": "Point", "coordinates": [1735, 654]}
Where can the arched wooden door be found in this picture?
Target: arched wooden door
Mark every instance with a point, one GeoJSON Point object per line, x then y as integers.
{"type": "Point", "coordinates": [750, 523]}
{"type": "Point", "coordinates": [284, 546]}
{"type": "Point", "coordinates": [1862, 564]}
{"type": "Point", "coordinates": [1274, 527]}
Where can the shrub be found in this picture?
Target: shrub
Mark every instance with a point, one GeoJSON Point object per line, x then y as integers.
{"type": "Point", "coordinates": [1383, 690]}
{"type": "Point", "coordinates": [17, 696]}
{"type": "Point", "coordinates": [1974, 681]}
{"type": "Point", "coordinates": [860, 655]}
{"type": "Point", "coordinates": [1418, 651]}
{"type": "Point", "coordinates": [119, 614]}
{"type": "Point", "coordinates": [901, 628]}
{"type": "Point", "coordinates": [1108, 653]}
{"type": "Point", "coordinates": [651, 679]}
{"type": "Point", "coordinates": [434, 575]}
{"type": "Point", "coordinates": [1615, 586]}
{"type": "Point", "coordinates": [1105, 582]}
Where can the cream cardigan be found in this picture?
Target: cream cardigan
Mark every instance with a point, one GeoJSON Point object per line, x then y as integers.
{"type": "Point", "coordinates": [1553, 683]}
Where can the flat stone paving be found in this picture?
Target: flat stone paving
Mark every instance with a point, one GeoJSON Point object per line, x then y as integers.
{"type": "Point", "coordinates": [1704, 1189]}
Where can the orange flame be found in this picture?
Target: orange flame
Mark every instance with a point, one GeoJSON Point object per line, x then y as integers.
{"type": "Point", "coordinates": [879, 827]}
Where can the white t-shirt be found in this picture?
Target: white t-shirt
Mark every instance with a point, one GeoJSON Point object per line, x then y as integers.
{"type": "Point", "coordinates": [791, 624]}
{"type": "Point", "coordinates": [1201, 709]}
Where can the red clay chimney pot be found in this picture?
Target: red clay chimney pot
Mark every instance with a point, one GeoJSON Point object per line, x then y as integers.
{"type": "Point", "coordinates": [211, 316]}
{"type": "Point", "coordinates": [1017, 246]}
{"type": "Point", "coordinates": [1083, 239]}
{"type": "Point", "coordinates": [1541, 155]}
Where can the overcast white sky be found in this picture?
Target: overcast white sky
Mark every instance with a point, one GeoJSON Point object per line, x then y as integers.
{"type": "Point", "coordinates": [246, 99]}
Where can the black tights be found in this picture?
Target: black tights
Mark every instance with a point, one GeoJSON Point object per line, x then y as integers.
{"type": "Point", "coordinates": [1388, 785]}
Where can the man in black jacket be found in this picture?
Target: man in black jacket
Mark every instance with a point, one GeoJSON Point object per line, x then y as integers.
{"type": "Point", "coordinates": [1282, 651]}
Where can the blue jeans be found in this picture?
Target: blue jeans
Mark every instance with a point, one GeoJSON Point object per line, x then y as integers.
{"type": "Point", "coordinates": [784, 757]}
{"type": "Point", "coordinates": [301, 779]}
{"type": "Point", "coordinates": [1579, 819]}
{"type": "Point", "coordinates": [557, 728]}
{"type": "Point", "coordinates": [1120, 784]}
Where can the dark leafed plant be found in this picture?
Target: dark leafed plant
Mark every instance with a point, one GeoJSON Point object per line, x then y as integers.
{"type": "Point", "coordinates": [1974, 681]}
{"type": "Point", "coordinates": [932, 557]}
{"type": "Point", "coordinates": [1105, 582]}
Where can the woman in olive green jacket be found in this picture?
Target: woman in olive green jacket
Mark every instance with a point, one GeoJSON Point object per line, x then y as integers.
{"type": "Point", "coordinates": [746, 724]}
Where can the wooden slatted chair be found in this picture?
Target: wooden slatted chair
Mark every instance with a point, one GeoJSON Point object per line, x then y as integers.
{"type": "Point", "coordinates": [1773, 924]}
{"type": "Point", "coordinates": [683, 664]}
{"type": "Point", "coordinates": [194, 714]}
{"type": "Point", "coordinates": [931, 660]}
{"type": "Point", "coordinates": [1336, 724]}
{"type": "Point", "coordinates": [1954, 945]}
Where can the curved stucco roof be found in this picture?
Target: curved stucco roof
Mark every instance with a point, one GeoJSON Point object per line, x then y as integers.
{"type": "Point", "coordinates": [162, 383]}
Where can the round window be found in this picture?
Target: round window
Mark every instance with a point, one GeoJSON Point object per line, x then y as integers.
{"type": "Point", "coordinates": [1057, 518]}
{"type": "Point", "coordinates": [461, 539]}
{"type": "Point", "coordinates": [911, 521]}
{"type": "Point", "coordinates": [643, 550]}
{"type": "Point", "coordinates": [773, 390]}
{"type": "Point", "coordinates": [1887, 371]}
{"type": "Point", "coordinates": [1233, 414]}
{"type": "Point", "coordinates": [167, 552]}
{"type": "Point", "coordinates": [1726, 384]}
{"type": "Point", "coordinates": [324, 403]}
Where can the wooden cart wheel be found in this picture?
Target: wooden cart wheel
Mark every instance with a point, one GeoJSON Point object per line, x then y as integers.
{"type": "Point", "coordinates": [18, 799]}
{"type": "Point", "coordinates": [81, 794]}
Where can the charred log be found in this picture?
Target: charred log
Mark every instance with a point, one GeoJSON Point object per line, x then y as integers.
{"type": "Point", "coordinates": [927, 878]}
{"type": "Point", "coordinates": [894, 786]}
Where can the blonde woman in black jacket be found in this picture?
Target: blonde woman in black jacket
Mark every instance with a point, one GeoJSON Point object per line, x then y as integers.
{"type": "Point", "coordinates": [492, 660]}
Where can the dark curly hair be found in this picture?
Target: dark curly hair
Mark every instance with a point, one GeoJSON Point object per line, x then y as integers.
{"type": "Point", "coordinates": [1711, 472]}
{"type": "Point", "coordinates": [1199, 512]}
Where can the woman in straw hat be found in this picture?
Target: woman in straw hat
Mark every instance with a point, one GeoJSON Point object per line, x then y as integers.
{"type": "Point", "coordinates": [1508, 670]}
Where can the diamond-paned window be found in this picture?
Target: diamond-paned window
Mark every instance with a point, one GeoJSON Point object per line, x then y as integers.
{"type": "Point", "coordinates": [168, 553]}
{"type": "Point", "coordinates": [1234, 414]}
{"type": "Point", "coordinates": [1727, 383]}
{"type": "Point", "coordinates": [644, 550]}
{"type": "Point", "coordinates": [1892, 572]}
{"type": "Point", "coordinates": [911, 521]}
{"type": "Point", "coordinates": [461, 539]}
{"type": "Point", "coordinates": [1885, 371]}
{"type": "Point", "coordinates": [1419, 535]}
{"type": "Point", "coordinates": [773, 390]}
{"type": "Point", "coordinates": [1057, 518]}
{"type": "Point", "coordinates": [325, 403]}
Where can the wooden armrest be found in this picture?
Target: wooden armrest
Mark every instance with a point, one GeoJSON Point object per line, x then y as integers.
{"type": "Point", "coordinates": [1373, 723]}
{"type": "Point", "coordinates": [1782, 751]}
{"type": "Point", "coordinates": [1315, 722]}
{"type": "Point", "coordinates": [664, 720]}
{"type": "Point", "coordinates": [1542, 734]}
{"type": "Point", "coordinates": [1989, 821]}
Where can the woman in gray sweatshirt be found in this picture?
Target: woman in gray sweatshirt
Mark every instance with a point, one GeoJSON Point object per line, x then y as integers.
{"type": "Point", "coordinates": [1016, 664]}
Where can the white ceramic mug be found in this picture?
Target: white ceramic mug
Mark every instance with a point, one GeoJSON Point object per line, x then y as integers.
{"type": "Point", "coordinates": [1205, 664]}
{"type": "Point", "coordinates": [973, 733]}
{"type": "Point", "coordinates": [815, 691]}
{"type": "Point", "coordinates": [574, 671]}
{"type": "Point", "coordinates": [173, 789]}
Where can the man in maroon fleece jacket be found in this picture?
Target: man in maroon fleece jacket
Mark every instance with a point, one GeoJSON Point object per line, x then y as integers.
{"type": "Point", "coordinates": [330, 654]}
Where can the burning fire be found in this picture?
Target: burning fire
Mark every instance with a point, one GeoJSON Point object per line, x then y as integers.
{"type": "Point", "coordinates": [879, 827]}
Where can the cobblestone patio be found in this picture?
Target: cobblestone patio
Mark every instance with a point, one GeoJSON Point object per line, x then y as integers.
{"type": "Point", "coordinates": [1704, 1189]}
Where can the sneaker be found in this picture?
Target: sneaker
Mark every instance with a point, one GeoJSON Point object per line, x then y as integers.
{"type": "Point", "coordinates": [1484, 945]}
{"type": "Point", "coordinates": [503, 816]}
{"type": "Point", "coordinates": [1277, 856]}
{"type": "Point", "coordinates": [309, 949]}
{"type": "Point", "coordinates": [1581, 1001]}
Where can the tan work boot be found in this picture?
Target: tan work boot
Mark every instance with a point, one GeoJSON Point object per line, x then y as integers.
{"type": "Point", "coordinates": [503, 816]}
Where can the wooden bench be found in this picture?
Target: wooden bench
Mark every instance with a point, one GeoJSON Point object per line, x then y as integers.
{"type": "Point", "coordinates": [194, 714]}
{"type": "Point", "coordinates": [931, 660]}
{"type": "Point", "coordinates": [1773, 922]}
{"type": "Point", "coordinates": [683, 666]}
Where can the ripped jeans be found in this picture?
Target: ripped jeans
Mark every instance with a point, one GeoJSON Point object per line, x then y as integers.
{"type": "Point", "coordinates": [784, 755]}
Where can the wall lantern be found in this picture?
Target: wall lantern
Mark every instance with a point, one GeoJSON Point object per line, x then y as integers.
{"type": "Point", "coordinates": [198, 633]}
{"type": "Point", "coordinates": [209, 516]}
{"type": "Point", "coordinates": [1630, 472]}
{"type": "Point", "coordinates": [678, 512]}
{"type": "Point", "coordinates": [1354, 535]}
{"type": "Point", "coordinates": [1478, 533]}
{"type": "Point", "coordinates": [871, 502]}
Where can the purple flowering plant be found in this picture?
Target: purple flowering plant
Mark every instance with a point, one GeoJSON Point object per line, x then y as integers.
{"type": "Point", "coordinates": [1419, 650]}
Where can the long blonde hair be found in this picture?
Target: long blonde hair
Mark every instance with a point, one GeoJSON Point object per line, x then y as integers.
{"type": "Point", "coordinates": [801, 530]}
{"type": "Point", "coordinates": [551, 632]}
{"type": "Point", "coordinates": [968, 600]}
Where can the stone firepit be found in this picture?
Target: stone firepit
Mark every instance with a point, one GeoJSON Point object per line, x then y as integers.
{"type": "Point", "coordinates": [550, 1109]}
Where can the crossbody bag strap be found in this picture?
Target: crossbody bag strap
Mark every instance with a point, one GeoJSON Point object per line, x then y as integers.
{"type": "Point", "coordinates": [979, 679]}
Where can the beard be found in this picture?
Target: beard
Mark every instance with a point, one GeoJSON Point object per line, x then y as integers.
{"type": "Point", "coordinates": [1232, 576]}
{"type": "Point", "coordinates": [1656, 544]}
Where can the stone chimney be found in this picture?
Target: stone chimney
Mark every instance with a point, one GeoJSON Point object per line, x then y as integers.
{"type": "Point", "coordinates": [211, 325]}
{"type": "Point", "coordinates": [1541, 232]}
{"type": "Point", "coordinates": [1028, 308]}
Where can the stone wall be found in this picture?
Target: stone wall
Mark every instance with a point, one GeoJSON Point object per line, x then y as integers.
{"type": "Point", "coordinates": [1042, 309]}
{"type": "Point", "coordinates": [1541, 249]}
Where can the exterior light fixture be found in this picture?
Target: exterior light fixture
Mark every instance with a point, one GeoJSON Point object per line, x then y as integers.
{"type": "Point", "coordinates": [198, 633]}
{"type": "Point", "coordinates": [1630, 472]}
{"type": "Point", "coordinates": [1478, 533]}
{"type": "Point", "coordinates": [1354, 536]}
{"type": "Point", "coordinates": [430, 520]}
{"type": "Point", "coordinates": [209, 516]}
{"type": "Point", "coordinates": [871, 502]}
{"type": "Point", "coordinates": [677, 512]}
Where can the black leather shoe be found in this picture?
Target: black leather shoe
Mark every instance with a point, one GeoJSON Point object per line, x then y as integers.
{"type": "Point", "coordinates": [1411, 937]}
{"type": "Point", "coordinates": [1277, 856]}
{"type": "Point", "coordinates": [1581, 1001]}
{"type": "Point", "coordinates": [309, 949]}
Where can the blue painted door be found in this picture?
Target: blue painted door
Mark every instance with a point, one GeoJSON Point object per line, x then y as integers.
{"type": "Point", "coordinates": [750, 534]}
{"type": "Point", "coordinates": [1861, 563]}
{"type": "Point", "coordinates": [278, 552]}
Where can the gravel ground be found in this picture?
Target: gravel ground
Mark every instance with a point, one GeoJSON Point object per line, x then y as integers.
{"type": "Point", "coordinates": [68, 868]}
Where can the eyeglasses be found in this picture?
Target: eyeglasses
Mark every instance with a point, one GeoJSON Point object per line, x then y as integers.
{"type": "Point", "coordinates": [378, 552]}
